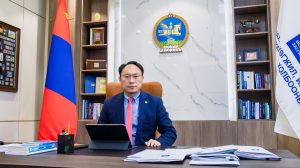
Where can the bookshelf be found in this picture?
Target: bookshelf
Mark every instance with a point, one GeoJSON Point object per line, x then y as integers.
{"type": "Point", "coordinates": [253, 55]}
{"type": "Point", "coordinates": [93, 59]}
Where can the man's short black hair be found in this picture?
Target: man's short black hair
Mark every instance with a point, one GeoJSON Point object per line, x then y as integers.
{"type": "Point", "coordinates": [121, 67]}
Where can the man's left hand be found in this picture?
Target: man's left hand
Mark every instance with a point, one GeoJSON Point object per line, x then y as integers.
{"type": "Point", "coordinates": [152, 143]}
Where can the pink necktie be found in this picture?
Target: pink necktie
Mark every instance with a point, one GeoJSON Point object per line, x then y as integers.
{"type": "Point", "coordinates": [129, 118]}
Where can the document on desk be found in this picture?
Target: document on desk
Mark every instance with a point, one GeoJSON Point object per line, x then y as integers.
{"type": "Point", "coordinates": [156, 156]}
{"type": "Point", "coordinates": [255, 153]}
{"type": "Point", "coordinates": [228, 149]}
{"type": "Point", "coordinates": [214, 159]}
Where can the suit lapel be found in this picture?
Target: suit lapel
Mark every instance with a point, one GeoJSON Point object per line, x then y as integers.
{"type": "Point", "coordinates": [143, 99]}
{"type": "Point", "coordinates": [120, 109]}
{"type": "Point", "coordinates": [142, 109]}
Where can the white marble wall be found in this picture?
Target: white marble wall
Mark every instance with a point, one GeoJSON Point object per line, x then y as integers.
{"type": "Point", "coordinates": [195, 80]}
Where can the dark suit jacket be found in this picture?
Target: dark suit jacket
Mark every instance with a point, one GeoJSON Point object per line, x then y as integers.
{"type": "Point", "coordinates": [152, 115]}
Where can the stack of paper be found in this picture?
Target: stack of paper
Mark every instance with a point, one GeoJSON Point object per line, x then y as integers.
{"type": "Point", "coordinates": [228, 149]}
{"type": "Point", "coordinates": [168, 155]}
{"type": "Point", "coordinates": [30, 148]}
{"type": "Point", "coordinates": [215, 159]}
{"type": "Point", "coordinates": [222, 155]}
{"type": "Point", "coordinates": [149, 155]}
{"type": "Point", "coordinates": [255, 152]}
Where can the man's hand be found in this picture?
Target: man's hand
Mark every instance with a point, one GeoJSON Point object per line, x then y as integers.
{"type": "Point", "coordinates": [152, 143]}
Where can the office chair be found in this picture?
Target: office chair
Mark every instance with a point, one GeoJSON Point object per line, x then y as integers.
{"type": "Point", "coordinates": [153, 88]}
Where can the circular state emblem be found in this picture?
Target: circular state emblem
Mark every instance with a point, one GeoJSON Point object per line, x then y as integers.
{"type": "Point", "coordinates": [170, 33]}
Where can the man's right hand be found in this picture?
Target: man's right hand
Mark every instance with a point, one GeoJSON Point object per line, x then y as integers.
{"type": "Point", "coordinates": [152, 143]}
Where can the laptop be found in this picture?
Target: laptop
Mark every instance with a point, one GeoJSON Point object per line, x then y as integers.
{"type": "Point", "coordinates": [108, 136]}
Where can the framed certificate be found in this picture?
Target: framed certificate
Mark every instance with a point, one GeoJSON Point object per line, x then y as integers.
{"type": "Point", "coordinates": [96, 35]}
{"type": "Point", "coordinates": [9, 57]}
{"type": "Point", "coordinates": [251, 54]}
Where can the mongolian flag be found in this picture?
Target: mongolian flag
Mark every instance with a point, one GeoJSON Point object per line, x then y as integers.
{"type": "Point", "coordinates": [287, 48]}
{"type": "Point", "coordinates": [59, 101]}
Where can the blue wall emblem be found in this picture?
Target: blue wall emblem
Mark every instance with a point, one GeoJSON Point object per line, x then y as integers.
{"type": "Point", "coordinates": [170, 33]}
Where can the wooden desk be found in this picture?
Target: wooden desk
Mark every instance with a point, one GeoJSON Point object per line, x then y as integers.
{"type": "Point", "coordinates": [85, 158]}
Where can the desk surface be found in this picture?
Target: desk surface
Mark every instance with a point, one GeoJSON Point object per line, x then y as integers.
{"type": "Point", "coordinates": [99, 158]}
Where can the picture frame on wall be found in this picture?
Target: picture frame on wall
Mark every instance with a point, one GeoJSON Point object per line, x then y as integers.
{"type": "Point", "coordinates": [9, 57]}
{"type": "Point", "coordinates": [97, 35]}
{"type": "Point", "coordinates": [252, 54]}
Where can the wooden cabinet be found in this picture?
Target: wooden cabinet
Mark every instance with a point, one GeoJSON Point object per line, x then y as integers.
{"type": "Point", "coordinates": [254, 74]}
{"type": "Point", "coordinates": [93, 57]}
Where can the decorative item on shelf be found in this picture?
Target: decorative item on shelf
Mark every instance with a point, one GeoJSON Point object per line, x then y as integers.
{"type": "Point", "coordinates": [251, 54]}
{"type": "Point", "coordinates": [96, 64]}
{"type": "Point", "coordinates": [96, 35]}
{"type": "Point", "coordinates": [97, 17]}
{"type": "Point", "coordinates": [247, 26]}
{"type": "Point", "coordinates": [239, 57]}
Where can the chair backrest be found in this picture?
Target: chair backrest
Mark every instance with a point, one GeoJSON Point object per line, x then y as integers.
{"type": "Point", "coordinates": [153, 88]}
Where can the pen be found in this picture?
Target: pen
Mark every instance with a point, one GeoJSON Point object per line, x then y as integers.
{"type": "Point", "coordinates": [68, 128]}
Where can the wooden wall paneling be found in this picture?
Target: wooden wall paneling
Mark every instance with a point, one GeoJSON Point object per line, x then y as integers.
{"type": "Point", "coordinates": [257, 133]}
{"type": "Point", "coordinates": [269, 137]}
{"type": "Point", "coordinates": [217, 133]}
{"type": "Point", "coordinates": [289, 143]}
{"type": "Point", "coordinates": [213, 133]}
{"type": "Point", "coordinates": [249, 132]}
{"type": "Point", "coordinates": [82, 136]}
{"type": "Point", "coordinates": [188, 133]}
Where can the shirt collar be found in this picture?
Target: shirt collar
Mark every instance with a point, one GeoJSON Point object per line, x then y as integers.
{"type": "Point", "coordinates": [136, 96]}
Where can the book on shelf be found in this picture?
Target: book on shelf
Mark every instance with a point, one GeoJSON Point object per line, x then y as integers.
{"type": "Point", "coordinates": [252, 80]}
{"type": "Point", "coordinates": [254, 110]}
{"type": "Point", "coordinates": [29, 148]}
{"type": "Point", "coordinates": [90, 110]}
{"type": "Point", "coordinates": [101, 85]}
{"type": "Point", "coordinates": [97, 35]}
{"type": "Point", "coordinates": [89, 83]}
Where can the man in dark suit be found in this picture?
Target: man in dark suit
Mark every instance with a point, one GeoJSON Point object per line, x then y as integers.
{"type": "Point", "coordinates": [142, 112]}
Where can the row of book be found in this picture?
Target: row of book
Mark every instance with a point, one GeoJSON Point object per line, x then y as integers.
{"type": "Point", "coordinates": [90, 110]}
{"type": "Point", "coordinates": [28, 148]}
{"type": "Point", "coordinates": [94, 84]}
{"type": "Point", "coordinates": [251, 80]}
{"type": "Point", "coordinates": [254, 110]}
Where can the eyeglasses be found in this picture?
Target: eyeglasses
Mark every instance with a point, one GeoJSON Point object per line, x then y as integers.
{"type": "Point", "coordinates": [133, 76]}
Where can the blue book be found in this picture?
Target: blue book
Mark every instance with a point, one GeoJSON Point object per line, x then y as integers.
{"type": "Point", "coordinates": [28, 148]}
{"type": "Point", "coordinates": [86, 109]}
{"type": "Point", "coordinates": [244, 109]}
{"type": "Point", "coordinates": [89, 83]}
